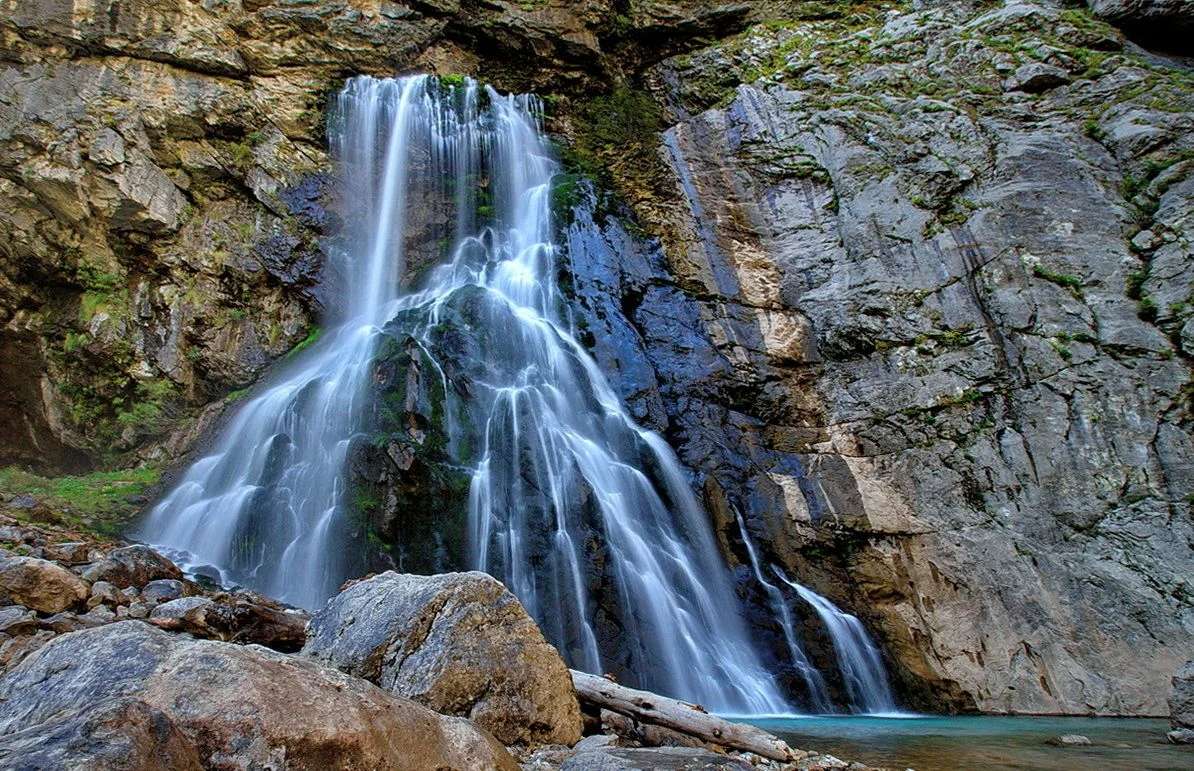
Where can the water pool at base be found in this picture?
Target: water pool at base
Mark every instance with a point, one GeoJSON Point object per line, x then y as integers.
{"type": "Point", "coordinates": [979, 742]}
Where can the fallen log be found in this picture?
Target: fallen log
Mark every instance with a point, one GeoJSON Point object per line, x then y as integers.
{"type": "Point", "coordinates": [679, 716]}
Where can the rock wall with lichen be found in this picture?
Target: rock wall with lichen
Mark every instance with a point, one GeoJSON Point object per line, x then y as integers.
{"type": "Point", "coordinates": [907, 284]}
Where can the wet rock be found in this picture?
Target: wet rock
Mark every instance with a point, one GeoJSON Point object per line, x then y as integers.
{"type": "Point", "coordinates": [459, 643]}
{"type": "Point", "coordinates": [1181, 705]}
{"type": "Point", "coordinates": [121, 734]}
{"type": "Point", "coordinates": [1069, 740]}
{"type": "Point", "coordinates": [41, 585]}
{"type": "Point", "coordinates": [132, 566]}
{"type": "Point", "coordinates": [239, 706]}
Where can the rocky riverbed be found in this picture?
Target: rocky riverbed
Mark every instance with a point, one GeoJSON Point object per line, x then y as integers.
{"type": "Point", "coordinates": [112, 658]}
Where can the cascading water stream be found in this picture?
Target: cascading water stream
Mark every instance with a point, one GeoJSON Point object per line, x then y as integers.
{"type": "Point", "coordinates": [587, 517]}
{"type": "Point", "coordinates": [267, 506]}
{"type": "Point", "coordinates": [857, 655]}
{"type": "Point", "coordinates": [813, 681]}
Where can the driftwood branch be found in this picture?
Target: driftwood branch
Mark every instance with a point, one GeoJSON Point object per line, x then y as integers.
{"type": "Point", "coordinates": [679, 716]}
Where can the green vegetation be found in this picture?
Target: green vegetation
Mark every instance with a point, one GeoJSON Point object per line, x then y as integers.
{"type": "Point", "coordinates": [618, 133]}
{"type": "Point", "coordinates": [312, 337]}
{"type": "Point", "coordinates": [101, 502]}
{"type": "Point", "coordinates": [452, 80]}
{"type": "Point", "coordinates": [1070, 282]}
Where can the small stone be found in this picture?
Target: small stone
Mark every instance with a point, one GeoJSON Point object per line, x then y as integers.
{"type": "Point", "coordinates": [1069, 740]}
{"type": "Point", "coordinates": [1146, 240]}
{"type": "Point", "coordinates": [61, 623]}
{"type": "Point", "coordinates": [23, 502]}
{"type": "Point", "coordinates": [138, 610]}
{"type": "Point", "coordinates": [12, 534]}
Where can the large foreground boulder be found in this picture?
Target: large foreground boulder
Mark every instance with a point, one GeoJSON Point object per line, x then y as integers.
{"type": "Point", "coordinates": [124, 734]}
{"type": "Point", "coordinates": [1181, 705]}
{"type": "Point", "coordinates": [459, 643]}
{"type": "Point", "coordinates": [237, 706]}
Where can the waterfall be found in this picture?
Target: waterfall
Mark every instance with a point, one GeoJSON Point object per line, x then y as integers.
{"type": "Point", "coordinates": [813, 681]}
{"type": "Point", "coordinates": [588, 518]}
{"type": "Point", "coordinates": [267, 506]}
{"type": "Point", "coordinates": [857, 655]}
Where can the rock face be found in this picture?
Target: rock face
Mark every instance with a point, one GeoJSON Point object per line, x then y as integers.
{"type": "Point", "coordinates": [460, 644]}
{"type": "Point", "coordinates": [40, 584]}
{"type": "Point", "coordinates": [225, 705]}
{"type": "Point", "coordinates": [1181, 705]}
{"type": "Point", "coordinates": [931, 338]}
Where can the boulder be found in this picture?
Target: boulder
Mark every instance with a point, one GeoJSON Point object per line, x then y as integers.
{"type": "Point", "coordinates": [124, 733]}
{"type": "Point", "coordinates": [459, 643]}
{"type": "Point", "coordinates": [132, 566]}
{"type": "Point", "coordinates": [40, 584]}
{"type": "Point", "coordinates": [163, 590]}
{"type": "Point", "coordinates": [1181, 705]}
{"type": "Point", "coordinates": [237, 618]}
{"type": "Point", "coordinates": [238, 706]}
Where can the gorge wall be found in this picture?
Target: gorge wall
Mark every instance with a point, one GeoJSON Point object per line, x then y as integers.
{"type": "Point", "coordinates": [907, 285]}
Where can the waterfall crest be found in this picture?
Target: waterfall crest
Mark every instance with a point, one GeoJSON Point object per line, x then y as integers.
{"type": "Point", "coordinates": [586, 516]}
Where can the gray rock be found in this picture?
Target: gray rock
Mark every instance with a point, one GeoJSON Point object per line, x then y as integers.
{"type": "Point", "coordinates": [107, 148]}
{"type": "Point", "coordinates": [121, 734]}
{"type": "Point", "coordinates": [17, 620]}
{"type": "Point", "coordinates": [1160, 18]}
{"type": "Point", "coordinates": [162, 590]}
{"type": "Point", "coordinates": [1036, 77]}
{"type": "Point", "coordinates": [459, 643]}
{"type": "Point", "coordinates": [132, 566]}
{"type": "Point", "coordinates": [1181, 705]}
{"type": "Point", "coordinates": [652, 759]}
{"type": "Point", "coordinates": [238, 706]}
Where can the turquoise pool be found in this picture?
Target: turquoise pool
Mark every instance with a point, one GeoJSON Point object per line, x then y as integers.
{"type": "Point", "coordinates": [979, 742]}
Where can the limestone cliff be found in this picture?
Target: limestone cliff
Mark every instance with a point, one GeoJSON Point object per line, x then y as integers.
{"type": "Point", "coordinates": [907, 284]}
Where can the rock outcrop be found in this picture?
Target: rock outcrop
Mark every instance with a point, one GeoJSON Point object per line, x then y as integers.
{"type": "Point", "coordinates": [460, 644]}
{"type": "Point", "coordinates": [1181, 705]}
{"type": "Point", "coordinates": [922, 315]}
{"type": "Point", "coordinates": [234, 706]}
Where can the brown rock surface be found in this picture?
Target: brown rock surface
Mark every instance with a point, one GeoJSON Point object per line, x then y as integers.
{"type": "Point", "coordinates": [39, 584]}
{"type": "Point", "coordinates": [240, 706]}
{"type": "Point", "coordinates": [459, 643]}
